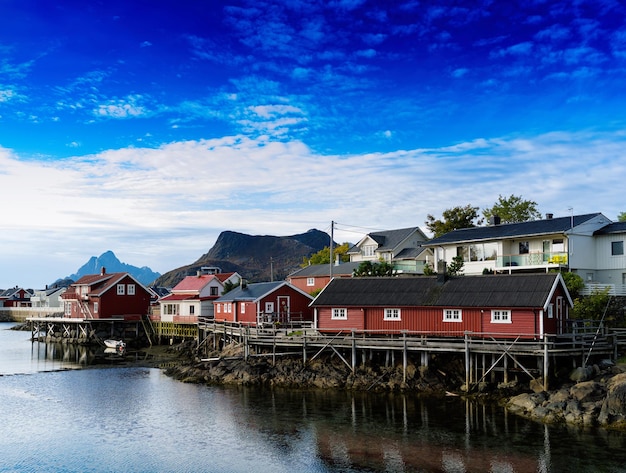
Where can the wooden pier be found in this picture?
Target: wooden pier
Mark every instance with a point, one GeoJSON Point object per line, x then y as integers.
{"type": "Point", "coordinates": [486, 357]}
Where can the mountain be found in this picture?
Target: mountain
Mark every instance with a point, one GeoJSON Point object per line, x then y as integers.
{"type": "Point", "coordinates": [255, 257]}
{"type": "Point", "coordinates": [109, 261]}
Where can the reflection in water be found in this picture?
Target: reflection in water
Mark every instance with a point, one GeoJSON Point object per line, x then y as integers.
{"type": "Point", "coordinates": [60, 356]}
{"type": "Point", "coordinates": [137, 419]}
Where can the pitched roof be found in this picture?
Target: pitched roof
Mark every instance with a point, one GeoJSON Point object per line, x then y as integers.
{"type": "Point", "coordinates": [615, 227]}
{"type": "Point", "coordinates": [251, 292]}
{"type": "Point", "coordinates": [223, 276]}
{"type": "Point", "coordinates": [194, 283]}
{"type": "Point", "coordinates": [512, 230]}
{"type": "Point", "coordinates": [100, 283]}
{"type": "Point", "coordinates": [506, 290]}
{"type": "Point", "coordinates": [388, 239]}
{"type": "Point", "coordinates": [324, 270]}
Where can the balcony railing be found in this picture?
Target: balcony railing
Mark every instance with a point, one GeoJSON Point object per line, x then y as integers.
{"type": "Point", "coordinates": [532, 259]}
{"type": "Point", "coordinates": [596, 288]}
{"type": "Point", "coordinates": [416, 267]}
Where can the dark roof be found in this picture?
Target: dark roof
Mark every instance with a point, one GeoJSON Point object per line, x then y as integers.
{"type": "Point", "coordinates": [324, 270]}
{"type": "Point", "coordinates": [505, 290]}
{"type": "Point", "coordinates": [388, 239]}
{"type": "Point", "coordinates": [512, 230]}
{"type": "Point", "coordinates": [615, 227]}
{"type": "Point", "coordinates": [251, 292]}
{"type": "Point", "coordinates": [409, 253]}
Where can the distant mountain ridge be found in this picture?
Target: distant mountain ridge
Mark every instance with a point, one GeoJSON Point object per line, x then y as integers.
{"type": "Point", "coordinates": [256, 257]}
{"type": "Point", "coordinates": [112, 264]}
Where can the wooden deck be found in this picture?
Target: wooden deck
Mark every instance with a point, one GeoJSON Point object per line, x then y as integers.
{"type": "Point", "coordinates": [484, 353]}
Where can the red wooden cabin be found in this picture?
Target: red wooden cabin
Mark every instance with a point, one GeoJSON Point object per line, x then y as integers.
{"type": "Point", "coordinates": [107, 296]}
{"type": "Point", "coordinates": [266, 302]}
{"type": "Point", "coordinates": [526, 305]}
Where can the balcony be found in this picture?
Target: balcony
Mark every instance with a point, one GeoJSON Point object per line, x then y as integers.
{"type": "Point", "coordinates": [532, 260]}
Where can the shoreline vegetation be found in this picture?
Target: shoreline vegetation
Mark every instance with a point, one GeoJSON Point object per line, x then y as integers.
{"type": "Point", "coordinates": [589, 397]}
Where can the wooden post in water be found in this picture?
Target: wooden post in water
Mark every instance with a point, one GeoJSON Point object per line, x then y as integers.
{"type": "Point", "coordinates": [467, 363]}
{"type": "Point", "coordinates": [404, 358]}
{"type": "Point", "coordinates": [353, 352]}
{"type": "Point", "coordinates": [546, 363]}
{"type": "Point", "coordinates": [304, 348]}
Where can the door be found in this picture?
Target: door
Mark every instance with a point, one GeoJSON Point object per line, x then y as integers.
{"type": "Point", "coordinates": [283, 309]}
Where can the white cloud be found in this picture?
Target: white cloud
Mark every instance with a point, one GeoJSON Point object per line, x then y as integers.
{"type": "Point", "coordinates": [122, 108]}
{"type": "Point", "coordinates": [165, 207]}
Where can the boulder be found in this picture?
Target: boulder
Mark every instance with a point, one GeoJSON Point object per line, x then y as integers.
{"type": "Point", "coordinates": [613, 411]}
{"type": "Point", "coordinates": [588, 391]}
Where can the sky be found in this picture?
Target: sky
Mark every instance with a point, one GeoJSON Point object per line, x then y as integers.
{"type": "Point", "coordinates": [149, 127]}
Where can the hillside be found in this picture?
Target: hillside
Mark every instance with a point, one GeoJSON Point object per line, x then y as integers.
{"type": "Point", "coordinates": [255, 257]}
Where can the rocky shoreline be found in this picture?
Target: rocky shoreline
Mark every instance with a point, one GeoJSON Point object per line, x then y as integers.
{"type": "Point", "coordinates": [591, 397]}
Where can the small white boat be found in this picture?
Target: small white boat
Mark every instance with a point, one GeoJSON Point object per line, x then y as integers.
{"type": "Point", "coordinates": [116, 344]}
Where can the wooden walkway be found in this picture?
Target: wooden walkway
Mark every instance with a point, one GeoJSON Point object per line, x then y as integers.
{"type": "Point", "coordinates": [484, 354]}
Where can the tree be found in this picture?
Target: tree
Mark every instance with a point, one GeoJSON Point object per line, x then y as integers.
{"type": "Point", "coordinates": [574, 283]}
{"type": "Point", "coordinates": [453, 219]}
{"type": "Point", "coordinates": [621, 217]}
{"type": "Point", "coordinates": [323, 255]}
{"type": "Point", "coordinates": [455, 268]}
{"type": "Point", "coordinates": [367, 268]}
{"type": "Point", "coordinates": [513, 209]}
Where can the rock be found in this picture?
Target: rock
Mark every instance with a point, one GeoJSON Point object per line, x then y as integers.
{"type": "Point", "coordinates": [613, 409]}
{"type": "Point", "coordinates": [581, 374]}
{"type": "Point", "coordinates": [536, 385]}
{"type": "Point", "coordinates": [588, 391]}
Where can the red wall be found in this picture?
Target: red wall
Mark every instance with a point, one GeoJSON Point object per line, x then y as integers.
{"type": "Point", "coordinates": [430, 320]}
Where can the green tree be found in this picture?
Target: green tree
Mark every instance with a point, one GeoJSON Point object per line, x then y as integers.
{"type": "Point", "coordinates": [574, 284]}
{"type": "Point", "coordinates": [229, 286]}
{"type": "Point", "coordinates": [455, 268]}
{"type": "Point", "coordinates": [591, 307]}
{"type": "Point", "coordinates": [621, 217]}
{"type": "Point", "coordinates": [453, 219]}
{"type": "Point", "coordinates": [369, 268]}
{"type": "Point", "coordinates": [513, 209]}
{"type": "Point", "coordinates": [323, 255]}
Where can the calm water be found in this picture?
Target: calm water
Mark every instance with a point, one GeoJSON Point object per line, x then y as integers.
{"type": "Point", "coordinates": [57, 417]}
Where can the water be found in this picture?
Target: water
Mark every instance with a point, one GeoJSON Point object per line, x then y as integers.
{"type": "Point", "coordinates": [57, 417]}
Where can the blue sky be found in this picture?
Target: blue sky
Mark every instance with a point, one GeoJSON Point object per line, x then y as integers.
{"type": "Point", "coordinates": [148, 127]}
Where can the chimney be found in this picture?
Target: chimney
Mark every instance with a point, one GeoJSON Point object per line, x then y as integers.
{"type": "Point", "coordinates": [198, 273]}
{"type": "Point", "coordinates": [441, 271]}
{"type": "Point", "coordinates": [494, 220]}
{"type": "Point", "coordinates": [243, 284]}
{"type": "Point", "coordinates": [549, 216]}
{"type": "Point", "coordinates": [103, 271]}
{"type": "Point", "coordinates": [337, 260]}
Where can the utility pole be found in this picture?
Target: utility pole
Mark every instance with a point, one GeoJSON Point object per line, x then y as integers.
{"type": "Point", "coordinates": [332, 237]}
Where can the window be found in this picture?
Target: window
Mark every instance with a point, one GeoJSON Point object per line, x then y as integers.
{"type": "Point", "coordinates": [368, 250]}
{"type": "Point", "coordinates": [130, 289]}
{"type": "Point", "coordinates": [95, 307]}
{"type": "Point", "coordinates": [229, 308]}
{"type": "Point", "coordinates": [558, 246]}
{"type": "Point", "coordinates": [192, 310]}
{"type": "Point", "coordinates": [339, 314]}
{"type": "Point", "coordinates": [452, 315]}
{"type": "Point", "coordinates": [500, 316]}
{"type": "Point", "coordinates": [551, 311]}
{"type": "Point", "coordinates": [524, 247]}
{"type": "Point", "coordinates": [617, 248]}
{"type": "Point", "coordinates": [219, 308]}
{"type": "Point", "coordinates": [121, 289]}
{"type": "Point", "coordinates": [68, 309]}
{"type": "Point", "coordinates": [214, 291]}
{"type": "Point", "coordinates": [310, 281]}
{"type": "Point", "coordinates": [243, 307]}
{"type": "Point", "coordinates": [478, 252]}
{"type": "Point", "coordinates": [392, 314]}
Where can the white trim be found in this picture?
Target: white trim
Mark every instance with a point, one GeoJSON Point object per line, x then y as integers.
{"type": "Point", "coordinates": [393, 314]}
{"type": "Point", "coordinates": [452, 315]}
{"type": "Point", "coordinates": [339, 313]}
{"type": "Point", "coordinates": [501, 316]}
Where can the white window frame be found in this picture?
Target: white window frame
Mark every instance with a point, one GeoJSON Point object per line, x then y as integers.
{"type": "Point", "coordinates": [339, 313]}
{"type": "Point", "coordinates": [500, 316]}
{"type": "Point", "coordinates": [219, 308]}
{"type": "Point", "coordinates": [452, 315]}
{"type": "Point", "coordinates": [95, 307]}
{"type": "Point", "coordinates": [310, 281]}
{"type": "Point", "coordinates": [130, 289]}
{"type": "Point", "coordinates": [551, 311]}
{"type": "Point", "coordinates": [121, 289]}
{"type": "Point", "coordinates": [68, 308]}
{"type": "Point", "coordinates": [243, 307]}
{"type": "Point", "coordinates": [392, 314]}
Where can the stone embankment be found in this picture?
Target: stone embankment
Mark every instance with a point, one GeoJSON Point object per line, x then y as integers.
{"type": "Point", "coordinates": [593, 396]}
{"type": "Point", "coordinates": [326, 371]}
